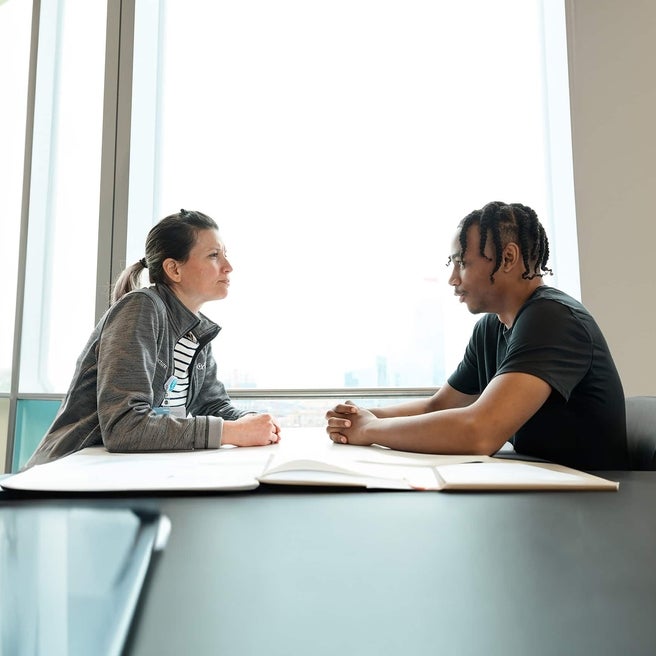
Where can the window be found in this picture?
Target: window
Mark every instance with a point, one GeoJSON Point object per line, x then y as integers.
{"type": "Point", "coordinates": [60, 278]}
{"type": "Point", "coordinates": [337, 144]}
{"type": "Point", "coordinates": [15, 22]}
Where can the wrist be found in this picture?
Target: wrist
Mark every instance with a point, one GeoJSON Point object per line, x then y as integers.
{"type": "Point", "coordinates": [230, 433]}
{"type": "Point", "coordinates": [371, 432]}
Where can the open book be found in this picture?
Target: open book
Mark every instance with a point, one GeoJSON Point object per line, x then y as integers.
{"type": "Point", "coordinates": [464, 474]}
{"type": "Point", "coordinates": [303, 457]}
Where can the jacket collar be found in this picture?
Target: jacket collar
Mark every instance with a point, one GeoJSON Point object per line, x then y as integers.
{"type": "Point", "coordinates": [183, 319]}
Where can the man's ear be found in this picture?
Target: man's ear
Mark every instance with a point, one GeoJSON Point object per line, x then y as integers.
{"type": "Point", "coordinates": [171, 269]}
{"type": "Point", "coordinates": [511, 256]}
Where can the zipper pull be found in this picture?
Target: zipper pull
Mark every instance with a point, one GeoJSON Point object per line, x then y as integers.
{"type": "Point", "coordinates": [170, 384]}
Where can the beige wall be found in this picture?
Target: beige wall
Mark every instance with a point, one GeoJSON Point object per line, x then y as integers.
{"type": "Point", "coordinates": [612, 67]}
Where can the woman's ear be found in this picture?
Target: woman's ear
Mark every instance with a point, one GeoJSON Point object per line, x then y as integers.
{"type": "Point", "coordinates": [171, 269]}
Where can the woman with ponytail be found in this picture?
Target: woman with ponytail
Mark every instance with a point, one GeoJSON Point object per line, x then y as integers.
{"type": "Point", "coordinates": [146, 379]}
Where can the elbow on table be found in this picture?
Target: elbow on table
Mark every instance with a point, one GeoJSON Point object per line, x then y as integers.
{"type": "Point", "coordinates": [114, 445]}
{"type": "Point", "coordinates": [118, 441]}
{"type": "Point", "coordinates": [480, 439]}
{"type": "Point", "coordinates": [127, 431]}
{"type": "Point", "coordinates": [490, 447]}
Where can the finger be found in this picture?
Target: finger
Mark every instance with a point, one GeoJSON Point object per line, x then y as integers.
{"type": "Point", "coordinates": [337, 437]}
{"type": "Point", "coordinates": [346, 408]}
{"type": "Point", "coordinates": [339, 422]}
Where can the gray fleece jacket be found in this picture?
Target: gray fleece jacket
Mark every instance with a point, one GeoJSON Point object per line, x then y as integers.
{"type": "Point", "coordinates": [120, 378]}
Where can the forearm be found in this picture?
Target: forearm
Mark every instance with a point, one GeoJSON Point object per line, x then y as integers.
{"type": "Point", "coordinates": [136, 431]}
{"type": "Point", "coordinates": [444, 432]}
{"type": "Point", "coordinates": [444, 398]}
{"type": "Point", "coordinates": [408, 409]}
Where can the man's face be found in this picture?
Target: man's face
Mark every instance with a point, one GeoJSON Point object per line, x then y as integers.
{"type": "Point", "coordinates": [470, 274]}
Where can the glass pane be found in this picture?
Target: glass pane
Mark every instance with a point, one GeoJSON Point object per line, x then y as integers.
{"type": "Point", "coordinates": [33, 418]}
{"type": "Point", "coordinates": [64, 200]}
{"type": "Point", "coordinates": [4, 429]}
{"type": "Point", "coordinates": [338, 145]}
{"type": "Point", "coordinates": [15, 24]}
{"type": "Point", "coordinates": [295, 412]}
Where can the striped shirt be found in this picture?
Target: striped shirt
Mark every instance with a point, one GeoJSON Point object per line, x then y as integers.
{"type": "Point", "coordinates": [183, 354]}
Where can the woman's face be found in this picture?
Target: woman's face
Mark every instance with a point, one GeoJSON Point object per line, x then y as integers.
{"type": "Point", "coordinates": [205, 276]}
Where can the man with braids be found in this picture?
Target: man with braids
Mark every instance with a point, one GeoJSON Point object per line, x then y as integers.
{"type": "Point", "coordinates": [537, 370]}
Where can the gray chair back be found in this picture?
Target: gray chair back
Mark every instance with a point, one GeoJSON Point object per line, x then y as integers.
{"type": "Point", "coordinates": [641, 432]}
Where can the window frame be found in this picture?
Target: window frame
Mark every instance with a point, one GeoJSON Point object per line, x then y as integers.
{"type": "Point", "coordinates": [114, 200]}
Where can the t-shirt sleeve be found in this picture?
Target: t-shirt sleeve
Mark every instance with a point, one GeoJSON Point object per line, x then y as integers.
{"type": "Point", "coordinates": [549, 341]}
{"type": "Point", "coordinates": [466, 379]}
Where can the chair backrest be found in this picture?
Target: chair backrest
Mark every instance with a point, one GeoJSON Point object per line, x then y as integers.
{"type": "Point", "coordinates": [641, 432]}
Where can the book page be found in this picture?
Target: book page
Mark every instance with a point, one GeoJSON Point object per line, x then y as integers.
{"type": "Point", "coordinates": [352, 473]}
{"type": "Point", "coordinates": [509, 475]}
{"type": "Point", "coordinates": [96, 470]}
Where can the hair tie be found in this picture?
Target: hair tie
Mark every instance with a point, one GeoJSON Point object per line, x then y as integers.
{"type": "Point", "coordinates": [143, 263]}
{"type": "Point", "coordinates": [183, 212]}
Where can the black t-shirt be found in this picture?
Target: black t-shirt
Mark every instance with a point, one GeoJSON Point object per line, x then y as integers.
{"type": "Point", "coordinates": [582, 424]}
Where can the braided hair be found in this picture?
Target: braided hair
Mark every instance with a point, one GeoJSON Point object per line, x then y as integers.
{"type": "Point", "coordinates": [505, 223]}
